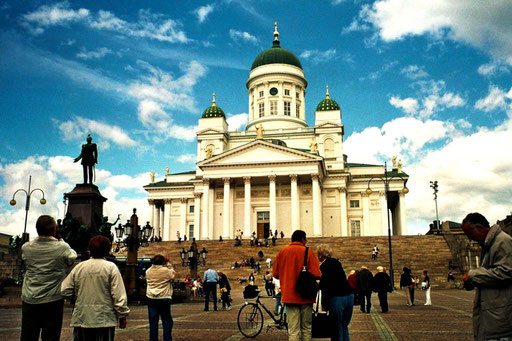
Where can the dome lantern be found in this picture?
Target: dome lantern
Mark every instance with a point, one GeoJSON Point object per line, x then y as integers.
{"type": "Point", "coordinates": [327, 104]}
{"type": "Point", "coordinates": [213, 110]}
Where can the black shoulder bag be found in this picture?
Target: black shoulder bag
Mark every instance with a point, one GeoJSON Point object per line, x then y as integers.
{"type": "Point", "coordinates": [306, 285]}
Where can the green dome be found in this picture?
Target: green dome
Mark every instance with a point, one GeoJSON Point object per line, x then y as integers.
{"type": "Point", "coordinates": [213, 110]}
{"type": "Point", "coordinates": [327, 105]}
{"type": "Point", "coordinates": [276, 55]}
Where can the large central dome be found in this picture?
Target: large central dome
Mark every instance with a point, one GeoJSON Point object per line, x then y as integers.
{"type": "Point", "coordinates": [276, 55]}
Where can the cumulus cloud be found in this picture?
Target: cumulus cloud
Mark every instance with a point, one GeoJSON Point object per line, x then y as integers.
{"type": "Point", "coordinates": [482, 24]}
{"type": "Point", "coordinates": [57, 175]}
{"type": "Point", "coordinates": [203, 11]}
{"type": "Point", "coordinates": [186, 158]}
{"type": "Point", "coordinates": [244, 36]}
{"type": "Point", "coordinates": [497, 98]}
{"type": "Point", "coordinates": [493, 68]}
{"type": "Point", "coordinates": [97, 54]}
{"type": "Point", "coordinates": [56, 14]}
{"type": "Point", "coordinates": [237, 121]}
{"type": "Point", "coordinates": [408, 105]}
{"type": "Point", "coordinates": [317, 56]}
{"type": "Point", "coordinates": [413, 72]}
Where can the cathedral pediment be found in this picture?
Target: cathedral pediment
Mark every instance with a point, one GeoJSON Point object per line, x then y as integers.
{"type": "Point", "coordinates": [260, 152]}
{"type": "Point", "coordinates": [329, 125]}
{"type": "Point", "coordinates": [210, 131]}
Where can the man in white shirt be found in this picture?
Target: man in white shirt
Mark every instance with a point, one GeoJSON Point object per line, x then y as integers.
{"type": "Point", "coordinates": [46, 260]}
{"type": "Point", "coordinates": [159, 292]}
{"type": "Point", "coordinates": [210, 287]}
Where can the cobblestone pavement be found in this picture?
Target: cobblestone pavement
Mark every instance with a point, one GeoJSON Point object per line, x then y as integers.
{"type": "Point", "coordinates": [449, 318]}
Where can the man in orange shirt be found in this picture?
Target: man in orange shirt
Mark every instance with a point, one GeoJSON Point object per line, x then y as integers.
{"type": "Point", "coordinates": [287, 266]}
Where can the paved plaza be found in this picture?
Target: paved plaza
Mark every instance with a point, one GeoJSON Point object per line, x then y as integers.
{"type": "Point", "coordinates": [449, 318]}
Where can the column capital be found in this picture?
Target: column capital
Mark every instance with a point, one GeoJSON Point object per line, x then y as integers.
{"type": "Point", "coordinates": [247, 179]}
{"type": "Point", "coordinates": [183, 200]}
{"type": "Point", "coordinates": [226, 180]}
{"type": "Point", "coordinates": [265, 83]}
{"type": "Point", "coordinates": [315, 177]}
{"type": "Point", "coordinates": [206, 181]}
{"type": "Point", "coordinates": [167, 201]}
{"type": "Point", "coordinates": [364, 194]}
{"type": "Point", "coordinates": [382, 193]}
{"type": "Point", "coordinates": [197, 195]}
{"type": "Point", "coordinates": [294, 177]}
{"type": "Point", "coordinates": [151, 202]}
{"type": "Point", "coordinates": [342, 189]}
{"type": "Point", "coordinates": [280, 82]}
{"type": "Point", "coordinates": [272, 177]}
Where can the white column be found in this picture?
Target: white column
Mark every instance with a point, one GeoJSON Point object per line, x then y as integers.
{"type": "Point", "coordinates": [280, 104]}
{"type": "Point", "coordinates": [317, 206]}
{"type": "Point", "coordinates": [343, 211]}
{"type": "Point", "coordinates": [384, 212]}
{"type": "Point", "coordinates": [250, 107]}
{"type": "Point", "coordinates": [205, 227]}
{"type": "Point", "coordinates": [255, 109]}
{"type": "Point", "coordinates": [272, 201]}
{"type": "Point", "coordinates": [162, 219]}
{"type": "Point", "coordinates": [183, 217]}
{"type": "Point", "coordinates": [267, 103]}
{"type": "Point", "coordinates": [211, 210]}
{"type": "Point", "coordinates": [403, 219]}
{"type": "Point", "coordinates": [366, 214]}
{"type": "Point", "coordinates": [294, 202]}
{"type": "Point", "coordinates": [247, 206]}
{"type": "Point", "coordinates": [293, 111]}
{"type": "Point", "coordinates": [157, 220]}
{"type": "Point", "coordinates": [167, 220]}
{"type": "Point", "coordinates": [303, 104]}
{"type": "Point", "coordinates": [197, 214]}
{"type": "Point", "coordinates": [225, 212]}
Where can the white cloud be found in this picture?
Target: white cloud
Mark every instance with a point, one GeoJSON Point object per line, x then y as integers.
{"type": "Point", "coordinates": [495, 99]}
{"type": "Point", "coordinates": [79, 127]}
{"type": "Point", "coordinates": [408, 105]}
{"type": "Point", "coordinates": [186, 158]}
{"type": "Point", "coordinates": [317, 56]}
{"type": "Point", "coordinates": [203, 11]}
{"type": "Point", "coordinates": [97, 54]}
{"type": "Point", "coordinates": [413, 72]}
{"type": "Point", "coordinates": [56, 14]}
{"type": "Point", "coordinates": [237, 121]}
{"type": "Point", "coordinates": [337, 2]}
{"type": "Point", "coordinates": [245, 36]}
{"type": "Point", "coordinates": [482, 24]}
{"type": "Point", "coordinates": [493, 68]}
{"type": "Point", "coordinates": [55, 176]}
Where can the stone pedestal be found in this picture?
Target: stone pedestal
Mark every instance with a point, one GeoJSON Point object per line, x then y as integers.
{"type": "Point", "coordinates": [86, 204]}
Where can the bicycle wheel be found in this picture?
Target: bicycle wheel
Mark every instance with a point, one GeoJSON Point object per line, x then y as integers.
{"type": "Point", "coordinates": [250, 320]}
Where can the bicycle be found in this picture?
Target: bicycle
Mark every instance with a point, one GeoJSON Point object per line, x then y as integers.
{"type": "Point", "coordinates": [250, 318]}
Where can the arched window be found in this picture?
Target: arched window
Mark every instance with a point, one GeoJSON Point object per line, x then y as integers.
{"type": "Point", "coordinates": [329, 148]}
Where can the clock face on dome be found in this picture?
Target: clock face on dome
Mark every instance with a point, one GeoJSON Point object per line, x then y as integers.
{"type": "Point", "coordinates": [273, 91]}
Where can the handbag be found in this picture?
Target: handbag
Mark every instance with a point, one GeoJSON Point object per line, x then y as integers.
{"type": "Point", "coordinates": [323, 324]}
{"type": "Point", "coordinates": [306, 283]}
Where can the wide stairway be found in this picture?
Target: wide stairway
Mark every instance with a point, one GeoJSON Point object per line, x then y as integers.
{"type": "Point", "coordinates": [418, 253]}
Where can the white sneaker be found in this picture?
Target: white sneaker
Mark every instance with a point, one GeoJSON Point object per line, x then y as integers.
{"type": "Point", "coordinates": [228, 308]}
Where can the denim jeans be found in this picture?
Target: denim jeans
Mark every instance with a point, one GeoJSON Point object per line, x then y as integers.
{"type": "Point", "coordinates": [160, 308]}
{"type": "Point", "coordinates": [210, 288]}
{"type": "Point", "coordinates": [342, 307]}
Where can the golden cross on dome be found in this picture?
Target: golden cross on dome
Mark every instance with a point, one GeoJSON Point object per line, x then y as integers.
{"type": "Point", "coordinates": [276, 34]}
{"type": "Point", "coordinates": [327, 91]}
{"type": "Point", "coordinates": [214, 103]}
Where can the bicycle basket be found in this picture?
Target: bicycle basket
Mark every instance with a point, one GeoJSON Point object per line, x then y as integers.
{"type": "Point", "coordinates": [251, 291]}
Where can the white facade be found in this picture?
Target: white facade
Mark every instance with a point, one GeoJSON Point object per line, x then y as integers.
{"type": "Point", "coordinates": [277, 174]}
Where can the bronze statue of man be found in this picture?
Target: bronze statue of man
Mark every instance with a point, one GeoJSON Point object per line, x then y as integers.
{"type": "Point", "coordinates": [89, 156]}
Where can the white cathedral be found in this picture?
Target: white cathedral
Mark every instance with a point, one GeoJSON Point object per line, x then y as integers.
{"type": "Point", "coordinates": [279, 173]}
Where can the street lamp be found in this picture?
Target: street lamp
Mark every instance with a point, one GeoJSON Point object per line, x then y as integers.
{"type": "Point", "coordinates": [192, 257]}
{"type": "Point", "coordinates": [387, 179]}
{"type": "Point", "coordinates": [28, 193]}
{"type": "Point", "coordinates": [142, 239]}
{"type": "Point", "coordinates": [435, 186]}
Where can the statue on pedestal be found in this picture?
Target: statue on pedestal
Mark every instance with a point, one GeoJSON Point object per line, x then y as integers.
{"type": "Point", "coordinates": [313, 146]}
{"type": "Point", "coordinates": [89, 156]}
{"type": "Point", "coordinates": [259, 131]}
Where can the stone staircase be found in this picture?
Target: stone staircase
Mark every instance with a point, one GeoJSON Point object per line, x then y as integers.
{"type": "Point", "coordinates": [429, 252]}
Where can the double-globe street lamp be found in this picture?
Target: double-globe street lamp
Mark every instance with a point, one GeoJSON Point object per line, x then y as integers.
{"type": "Point", "coordinates": [387, 179]}
{"type": "Point", "coordinates": [192, 258]}
{"type": "Point", "coordinates": [143, 235]}
{"type": "Point", "coordinates": [28, 194]}
{"type": "Point", "coordinates": [435, 186]}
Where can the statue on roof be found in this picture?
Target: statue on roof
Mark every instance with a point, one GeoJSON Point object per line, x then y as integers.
{"type": "Point", "coordinates": [209, 150]}
{"type": "Point", "coordinates": [394, 162]}
{"type": "Point", "coordinates": [313, 146]}
{"type": "Point", "coordinates": [399, 166]}
{"type": "Point", "coordinates": [89, 157]}
{"type": "Point", "coordinates": [259, 131]}
{"type": "Point", "coordinates": [166, 171]}
{"type": "Point", "coordinates": [152, 176]}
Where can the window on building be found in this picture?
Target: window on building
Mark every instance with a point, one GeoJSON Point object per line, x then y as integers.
{"type": "Point", "coordinates": [329, 148]}
{"type": "Point", "coordinates": [297, 95]}
{"type": "Point", "coordinates": [263, 216]}
{"type": "Point", "coordinates": [287, 109]}
{"type": "Point", "coordinates": [261, 109]}
{"type": "Point", "coordinates": [273, 107]}
{"type": "Point", "coordinates": [191, 209]}
{"type": "Point", "coordinates": [297, 110]}
{"type": "Point", "coordinates": [287, 92]}
{"type": "Point", "coordinates": [261, 93]}
{"type": "Point", "coordinates": [354, 203]}
{"type": "Point", "coordinates": [355, 228]}
{"type": "Point", "coordinates": [191, 232]}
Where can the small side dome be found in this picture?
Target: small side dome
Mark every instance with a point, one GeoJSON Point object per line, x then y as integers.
{"type": "Point", "coordinates": [327, 104]}
{"type": "Point", "coordinates": [213, 110]}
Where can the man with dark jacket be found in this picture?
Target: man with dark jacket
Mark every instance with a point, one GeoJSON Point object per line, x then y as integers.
{"type": "Point", "coordinates": [382, 285]}
{"type": "Point", "coordinates": [364, 285]}
{"type": "Point", "coordinates": [493, 279]}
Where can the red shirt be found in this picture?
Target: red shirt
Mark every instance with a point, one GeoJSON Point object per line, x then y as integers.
{"type": "Point", "coordinates": [288, 265]}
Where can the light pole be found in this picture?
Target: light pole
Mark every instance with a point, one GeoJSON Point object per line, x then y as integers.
{"type": "Point", "coordinates": [386, 179]}
{"type": "Point", "coordinates": [434, 186]}
{"type": "Point", "coordinates": [192, 257]}
{"type": "Point", "coordinates": [28, 193]}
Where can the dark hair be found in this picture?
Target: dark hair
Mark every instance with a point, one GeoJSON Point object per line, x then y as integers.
{"type": "Point", "coordinates": [45, 225]}
{"type": "Point", "coordinates": [99, 246]}
{"type": "Point", "coordinates": [475, 218]}
{"type": "Point", "coordinates": [158, 260]}
{"type": "Point", "coordinates": [298, 235]}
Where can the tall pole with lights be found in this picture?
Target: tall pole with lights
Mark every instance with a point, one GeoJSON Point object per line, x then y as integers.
{"type": "Point", "coordinates": [435, 186]}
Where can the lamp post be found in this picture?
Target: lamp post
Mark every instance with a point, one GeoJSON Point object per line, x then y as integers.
{"type": "Point", "coordinates": [387, 179]}
{"type": "Point", "coordinates": [193, 257]}
{"type": "Point", "coordinates": [435, 186]}
{"type": "Point", "coordinates": [28, 193]}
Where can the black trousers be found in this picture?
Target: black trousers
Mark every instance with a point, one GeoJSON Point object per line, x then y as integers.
{"type": "Point", "coordinates": [210, 288]}
{"type": "Point", "coordinates": [365, 295]}
{"type": "Point", "coordinates": [383, 299]}
{"type": "Point", "coordinates": [44, 319]}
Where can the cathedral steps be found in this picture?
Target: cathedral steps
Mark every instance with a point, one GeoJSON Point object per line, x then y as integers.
{"type": "Point", "coordinates": [429, 252]}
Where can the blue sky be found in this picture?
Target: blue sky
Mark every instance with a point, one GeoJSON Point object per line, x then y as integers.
{"type": "Point", "coordinates": [429, 81]}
